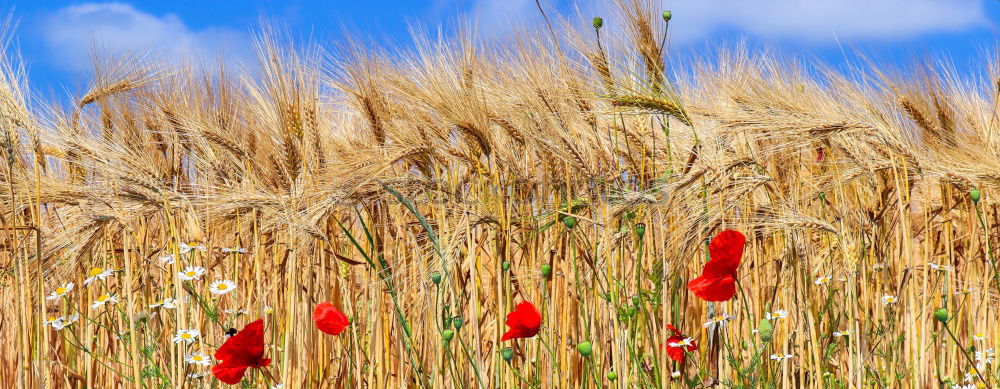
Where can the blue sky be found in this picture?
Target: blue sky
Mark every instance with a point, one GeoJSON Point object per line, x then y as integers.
{"type": "Point", "coordinates": [56, 37]}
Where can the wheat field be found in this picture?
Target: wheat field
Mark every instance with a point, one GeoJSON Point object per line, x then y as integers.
{"type": "Point", "coordinates": [427, 192]}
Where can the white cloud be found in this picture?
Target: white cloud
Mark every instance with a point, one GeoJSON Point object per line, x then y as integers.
{"type": "Point", "coordinates": [815, 21]}
{"type": "Point", "coordinates": [72, 33]}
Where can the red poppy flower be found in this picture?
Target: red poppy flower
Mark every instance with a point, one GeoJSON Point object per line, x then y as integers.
{"type": "Point", "coordinates": [523, 322]}
{"type": "Point", "coordinates": [329, 319]}
{"type": "Point", "coordinates": [677, 343]}
{"type": "Point", "coordinates": [240, 352]}
{"type": "Point", "coordinates": [718, 277]}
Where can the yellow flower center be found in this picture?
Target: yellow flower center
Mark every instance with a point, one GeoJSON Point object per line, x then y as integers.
{"type": "Point", "coordinates": [60, 290]}
{"type": "Point", "coordinates": [222, 287]}
{"type": "Point", "coordinates": [196, 358]}
{"type": "Point", "coordinates": [103, 298]}
{"type": "Point", "coordinates": [95, 271]}
{"type": "Point", "coordinates": [191, 274]}
{"type": "Point", "coordinates": [185, 336]}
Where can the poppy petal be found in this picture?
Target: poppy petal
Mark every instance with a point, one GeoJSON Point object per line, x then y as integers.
{"type": "Point", "coordinates": [329, 319]}
{"type": "Point", "coordinates": [713, 288]}
{"type": "Point", "coordinates": [727, 248]}
{"type": "Point", "coordinates": [244, 348]}
{"type": "Point", "coordinates": [229, 373]}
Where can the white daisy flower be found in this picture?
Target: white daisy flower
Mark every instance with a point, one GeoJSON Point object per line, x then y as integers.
{"type": "Point", "coordinates": [780, 357]}
{"type": "Point", "coordinates": [965, 290]}
{"type": "Point", "coordinates": [971, 375]}
{"type": "Point", "coordinates": [107, 298]}
{"type": "Point", "coordinates": [937, 267]}
{"type": "Point", "coordinates": [838, 334]}
{"type": "Point", "coordinates": [221, 287]}
{"type": "Point", "coordinates": [52, 321]}
{"type": "Point", "coordinates": [186, 336]}
{"type": "Point", "coordinates": [241, 311]}
{"type": "Point", "coordinates": [65, 321]}
{"type": "Point", "coordinates": [888, 299]}
{"type": "Point", "coordinates": [979, 337]}
{"type": "Point", "coordinates": [168, 303]}
{"type": "Point", "coordinates": [984, 358]}
{"type": "Point", "coordinates": [191, 273]}
{"type": "Point", "coordinates": [778, 314]}
{"type": "Point", "coordinates": [186, 248]}
{"type": "Point", "coordinates": [278, 386]}
{"type": "Point", "coordinates": [718, 320]}
{"type": "Point", "coordinates": [267, 310]}
{"type": "Point", "coordinates": [676, 374]}
{"type": "Point", "coordinates": [823, 279]}
{"type": "Point", "coordinates": [842, 279]}
{"type": "Point", "coordinates": [168, 259]}
{"type": "Point", "coordinates": [238, 250]}
{"type": "Point", "coordinates": [683, 343]}
{"type": "Point", "coordinates": [97, 274]}
{"type": "Point", "coordinates": [60, 291]}
{"type": "Point", "coordinates": [878, 267]}
{"type": "Point", "coordinates": [198, 359]}
{"type": "Point", "coordinates": [198, 374]}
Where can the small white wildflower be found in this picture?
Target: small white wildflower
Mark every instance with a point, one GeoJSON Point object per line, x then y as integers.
{"type": "Point", "coordinates": [984, 358]}
{"type": "Point", "coordinates": [278, 386]}
{"type": "Point", "coordinates": [267, 310]}
{"type": "Point", "coordinates": [237, 250]}
{"type": "Point", "coordinates": [198, 374]}
{"type": "Point", "coordinates": [780, 357]}
{"type": "Point", "coordinates": [186, 336]}
{"type": "Point", "coordinates": [107, 298]}
{"type": "Point", "coordinates": [168, 303]}
{"type": "Point", "coordinates": [778, 314]}
{"type": "Point", "coordinates": [168, 259]}
{"type": "Point", "coordinates": [191, 273]}
{"type": "Point", "coordinates": [683, 343]}
{"type": "Point", "coordinates": [979, 337]}
{"type": "Point", "coordinates": [97, 274]}
{"type": "Point", "coordinates": [823, 279]}
{"type": "Point", "coordinates": [241, 311]}
{"type": "Point", "coordinates": [838, 334]}
{"type": "Point", "coordinates": [888, 299]}
{"type": "Point", "coordinates": [878, 267]}
{"type": "Point", "coordinates": [60, 291]}
{"type": "Point", "coordinates": [65, 321]}
{"type": "Point", "coordinates": [186, 248]}
{"type": "Point", "coordinates": [718, 320]}
{"type": "Point", "coordinates": [675, 374]}
{"type": "Point", "coordinates": [221, 287]}
{"type": "Point", "coordinates": [198, 359]}
{"type": "Point", "coordinates": [942, 268]}
{"type": "Point", "coordinates": [51, 321]}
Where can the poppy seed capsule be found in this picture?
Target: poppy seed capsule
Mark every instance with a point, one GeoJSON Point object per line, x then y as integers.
{"type": "Point", "coordinates": [585, 349]}
{"type": "Point", "coordinates": [640, 229]}
{"type": "Point", "coordinates": [667, 15]}
{"type": "Point", "coordinates": [941, 315]}
{"type": "Point", "coordinates": [507, 354]}
{"type": "Point", "coordinates": [506, 266]}
{"type": "Point", "coordinates": [436, 278]}
{"type": "Point", "coordinates": [612, 375]}
{"type": "Point", "coordinates": [569, 221]}
{"type": "Point", "coordinates": [546, 270]}
{"type": "Point", "coordinates": [765, 330]}
{"type": "Point", "coordinates": [975, 195]}
{"type": "Point", "coordinates": [458, 322]}
{"type": "Point", "coordinates": [448, 335]}
{"type": "Point", "coordinates": [598, 22]}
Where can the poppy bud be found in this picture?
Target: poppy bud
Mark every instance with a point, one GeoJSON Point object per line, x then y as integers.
{"type": "Point", "coordinates": [569, 221]}
{"type": "Point", "coordinates": [448, 335]}
{"type": "Point", "coordinates": [765, 330]}
{"type": "Point", "coordinates": [598, 23]}
{"type": "Point", "coordinates": [507, 354]}
{"type": "Point", "coordinates": [975, 195]}
{"type": "Point", "coordinates": [941, 315]}
{"type": "Point", "coordinates": [640, 229]}
{"type": "Point", "coordinates": [436, 278]}
{"type": "Point", "coordinates": [506, 266]}
{"type": "Point", "coordinates": [667, 15]}
{"type": "Point", "coordinates": [458, 322]}
{"type": "Point", "coordinates": [585, 349]}
{"type": "Point", "coordinates": [546, 270]}
{"type": "Point", "coordinates": [612, 375]}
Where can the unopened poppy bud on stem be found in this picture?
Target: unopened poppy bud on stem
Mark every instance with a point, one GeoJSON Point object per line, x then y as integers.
{"type": "Point", "coordinates": [598, 23]}
{"type": "Point", "coordinates": [546, 270]}
{"type": "Point", "coordinates": [765, 330]}
{"type": "Point", "coordinates": [941, 315]}
{"type": "Point", "coordinates": [569, 221]}
{"type": "Point", "coordinates": [975, 195]}
{"type": "Point", "coordinates": [612, 375]}
{"type": "Point", "coordinates": [585, 349]}
{"type": "Point", "coordinates": [506, 266]}
{"type": "Point", "coordinates": [448, 335]}
{"type": "Point", "coordinates": [436, 278]}
{"type": "Point", "coordinates": [507, 354]}
{"type": "Point", "coordinates": [667, 15]}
